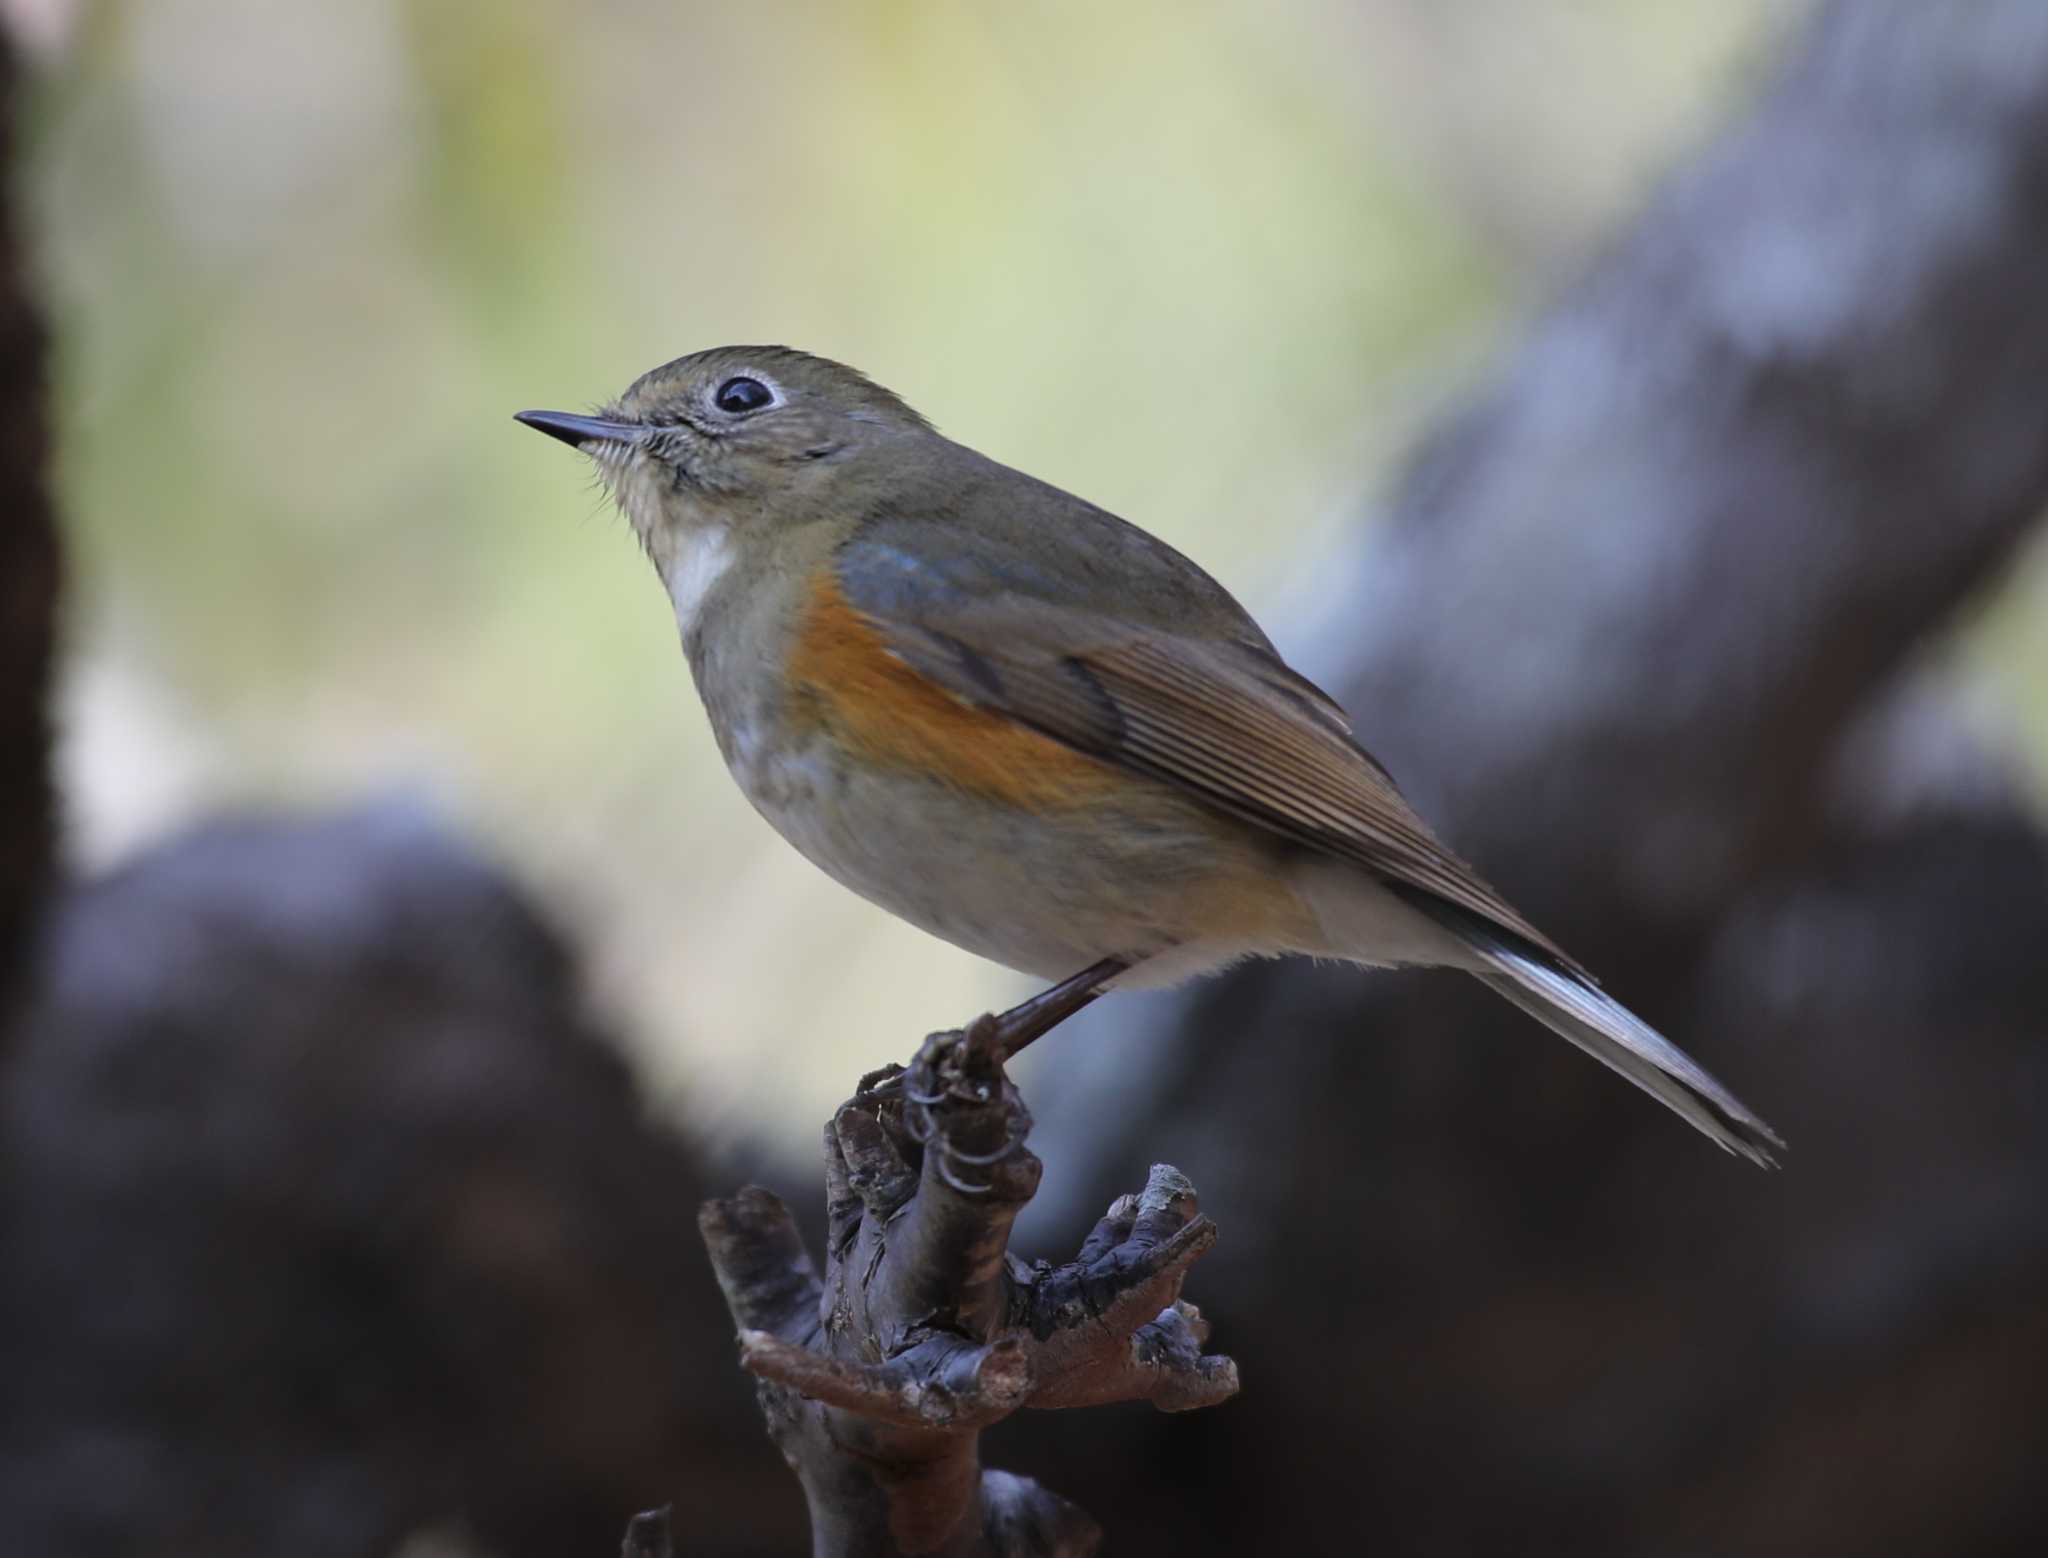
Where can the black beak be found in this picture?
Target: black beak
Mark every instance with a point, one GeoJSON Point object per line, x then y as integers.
{"type": "Point", "coordinates": [579, 431]}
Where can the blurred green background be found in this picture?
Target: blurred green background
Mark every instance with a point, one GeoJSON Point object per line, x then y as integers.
{"type": "Point", "coordinates": [1211, 265]}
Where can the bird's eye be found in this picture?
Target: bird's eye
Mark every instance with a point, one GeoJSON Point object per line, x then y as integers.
{"type": "Point", "coordinates": [743, 394]}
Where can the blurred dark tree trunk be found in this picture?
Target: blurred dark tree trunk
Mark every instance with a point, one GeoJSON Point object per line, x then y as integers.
{"type": "Point", "coordinates": [28, 575]}
{"type": "Point", "coordinates": [1640, 632]}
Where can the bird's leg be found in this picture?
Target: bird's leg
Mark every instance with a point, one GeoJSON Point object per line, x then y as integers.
{"type": "Point", "coordinates": [1010, 1031]}
{"type": "Point", "coordinates": [1028, 1020]}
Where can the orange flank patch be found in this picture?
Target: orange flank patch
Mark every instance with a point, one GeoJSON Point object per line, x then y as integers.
{"type": "Point", "coordinates": [896, 717]}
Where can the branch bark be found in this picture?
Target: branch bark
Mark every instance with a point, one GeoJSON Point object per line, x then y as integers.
{"type": "Point", "coordinates": [648, 1536]}
{"type": "Point", "coordinates": [878, 1380]}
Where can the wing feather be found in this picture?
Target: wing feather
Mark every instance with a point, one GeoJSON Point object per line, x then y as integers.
{"type": "Point", "coordinates": [1222, 718]}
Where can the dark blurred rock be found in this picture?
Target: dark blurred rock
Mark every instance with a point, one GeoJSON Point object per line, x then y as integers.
{"type": "Point", "coordinates": [328, 1217]}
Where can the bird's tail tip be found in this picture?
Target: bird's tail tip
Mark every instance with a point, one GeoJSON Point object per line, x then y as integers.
{"type": "Point", "coordinates": [1622, 1041]}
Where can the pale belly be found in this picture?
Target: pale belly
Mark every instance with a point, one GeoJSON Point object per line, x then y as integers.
{"type": "Point", "coordinates": [1162, 881]}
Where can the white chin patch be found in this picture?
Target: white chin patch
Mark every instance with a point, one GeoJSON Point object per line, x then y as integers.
{"type": "Point", "coordinates": [697, 561]}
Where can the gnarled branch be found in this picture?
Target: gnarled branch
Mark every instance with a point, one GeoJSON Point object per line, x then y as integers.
{"type": "Point", "coordinates": [878, 1379]}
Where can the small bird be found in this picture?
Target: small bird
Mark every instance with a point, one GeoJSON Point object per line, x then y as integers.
{"type": "Point", "coordinates": [1032, 729]}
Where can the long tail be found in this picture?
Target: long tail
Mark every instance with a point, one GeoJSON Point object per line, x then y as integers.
{"type": "Point", "coordinates": [1569, 1004]}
